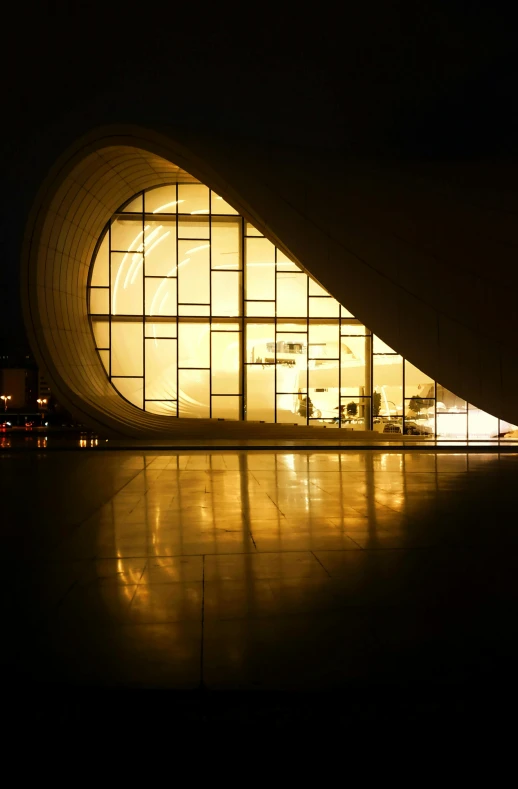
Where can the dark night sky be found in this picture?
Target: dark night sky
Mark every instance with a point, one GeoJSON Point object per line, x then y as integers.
{"type": "Point", "coordinates": [392, 79]}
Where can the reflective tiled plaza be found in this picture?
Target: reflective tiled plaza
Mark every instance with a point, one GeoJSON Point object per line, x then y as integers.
{"type": "Point", "coordinates": [260, 570]}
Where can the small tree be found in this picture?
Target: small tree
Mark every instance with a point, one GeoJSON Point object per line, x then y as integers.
{"type": "Point", "coordinates": [415, 404]}
{"type": "Point", "coordinates": [352, 409]}
{"type": "Point", "coordinates": [376, 403]}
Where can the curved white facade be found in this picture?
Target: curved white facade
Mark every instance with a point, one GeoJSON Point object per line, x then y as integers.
{"type": "Point", "coordinates": [102, 173]}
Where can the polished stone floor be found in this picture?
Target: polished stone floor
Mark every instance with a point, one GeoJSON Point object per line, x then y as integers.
{"type": "Point", "coordinates": [260, 571]}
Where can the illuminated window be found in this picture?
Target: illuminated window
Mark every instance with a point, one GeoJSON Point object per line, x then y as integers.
{"type": "Point", "coordinates": [195, 313]}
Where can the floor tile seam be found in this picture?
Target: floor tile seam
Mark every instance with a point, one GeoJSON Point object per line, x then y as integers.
{"type": "Point", "coordinates": [252, 553]}
{"type": "Point", "coordinates": [96, 510]}
{"type": "Point", "coordinates": [320, 563]}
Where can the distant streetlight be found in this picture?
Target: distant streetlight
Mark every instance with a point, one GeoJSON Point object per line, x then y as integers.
{"type": "Point", "coordinates": [42, 402]}
{"type": "Point", "coordinates": [5, 398]}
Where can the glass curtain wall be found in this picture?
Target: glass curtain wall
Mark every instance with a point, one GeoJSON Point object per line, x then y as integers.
{"type": "Point", "coordinates": [196, 314]}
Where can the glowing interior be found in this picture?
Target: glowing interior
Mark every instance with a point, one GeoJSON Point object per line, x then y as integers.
{"type": "Point", "coordinates": [196, 314]}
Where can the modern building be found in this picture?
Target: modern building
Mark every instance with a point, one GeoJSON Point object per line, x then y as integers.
{"type": "Point", "coordinates": [188, 287]}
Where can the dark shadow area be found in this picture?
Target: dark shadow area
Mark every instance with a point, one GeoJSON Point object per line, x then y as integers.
{"type": "Point", "coordinates": [246, 588]}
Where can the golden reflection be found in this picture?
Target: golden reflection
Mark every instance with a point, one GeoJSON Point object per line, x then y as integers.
{"type": "Point", "coordinates": [228, 505]}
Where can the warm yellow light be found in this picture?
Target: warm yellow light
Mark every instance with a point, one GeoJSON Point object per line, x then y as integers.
{"type": "Point", "coordinates": [137, 257]}
{"type": "Point", "coordinates": [200, 211]}
{"type": "Point", "coordinates": [148, 252]}
{"type": "Point", "coordinates": [166, 205]}
{"type": "Point", "coordinates": [162, 303]}
{"type": "Point", "coordinates": [197, 249]}
{"type": "Point", "coordinates": [119, 272]}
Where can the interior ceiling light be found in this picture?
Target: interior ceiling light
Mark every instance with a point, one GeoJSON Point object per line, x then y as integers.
{"type": "Point", "coordinates": [119, 272]}
{"type": "Point", "coordinates": [148, 252]}
{"type": "Point", "coordinates": [197, 249]}
{"type": "Point", "coordinates": [137, 257]}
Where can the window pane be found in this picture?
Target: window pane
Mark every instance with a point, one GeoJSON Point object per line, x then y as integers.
{"type": "Point", "coordinates": [291, 379]}
{"type": "Point", "coordinates": [194, 197]}
{"type": "Point", "coordinates": [127, 348]}
{"type": "Point", "coordinates": [285, 264]}
{"type": "Point", "coordinates": [292, 296]}
{"type": "Point", "coordinates": [127, 283]}
{"type": "Point", "coordinates": [452, 426]}
{"type": "Point", "coordinates": [260, 339]}
{"type": "Point", "coordinates": [260, 268]}
{"type": "Point", "coordinates": [194, 344]}
{"type": "Point", "coordinates": [159, 329]}
{"type": "Point", "coordinates": [105, 359]}
{"type": "Point", "coordinates": [260, 309]}
{"type": "Point", "coordinates": [161, 200]}
{"type": "Point", "coordinates": [508, 430]}
{"type": "Point", "coordinates": [292, 362]}
{"type": "Point", "coordinates": [378, 346]}
{"type": "Point", "coordinates": [323, 340]}
{"type": "Point", "coordinates": [354, 361]}
{"type": "Point", "coordinates": [355, 413]}
{"type": "Point", "coordinates": [353, 329]}
{"type": "Point", "coordinates": [225, 326]}
{"type": "Point", "coordinates": [481, 425]}
{"type": "Point", "coordinates": [226, 293]}
{"type": "Point", "coordinates": [160, 249]}
{"type": "Point", "coordinates": [225, 245]}
{"type": "Point", "coordinates": [194, 393]}
{"type": "Point", "coordinates": [226, 408]}
{"type": "Point", "coordinates": [250, 230]}
{"type": "Point", "coordinates": [315, 289]}
{"type": "Point", "coordinates": [323, 308]}
{"type": "Point", "coordinates": [163, 408]}
{"type": "Point", "coordinates": [225, 363]}
{"type": "Point", "coordinates": [291, 409]}
{"type": "Point", "coordinates": [193, 228]}
{"type": "Point", "coordinates": [131, 388]}
{"type": "Point", "coordinates": [323, 389]}
{"type": "Point", "coordinates": [260, 392]}
{"type": "Point", "coordinates": [344, 312]}
{"type": "Point", "coordinates": [134, 206]}
{"type": "Point", "coordinates": [99, 301]}
{"type": "Point", "coordinates": [160, 370]}
{"type": "Point", "coordinates": [387, 424]}
{"type": "Point", "coordinates": [100, 272]}
{"type": "Point", "coordinates": [160, 296]}
{"type": "Point", "coordinates": [419, 417]}
{"type": "Point", "coordinates": [193, 310]}
{"type": "Point", "coordinates": [447, 401]}
{"type": "Point", "coordinates": [126, 234]}
{"type": "Point", "coordinates": [220, 206]}
{"type": "Point", "coordinates": [388, 382]}
{"type": "Point", "coordinates": [418, 384]}
{"type": "Point", "coordinates": [101, 333]}
{"type": "Point", "coordinates": [193, 273]}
